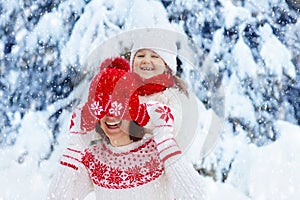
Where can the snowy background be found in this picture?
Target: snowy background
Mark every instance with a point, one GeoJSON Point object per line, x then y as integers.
{"type": "Point", "coordinates": [254, 46]}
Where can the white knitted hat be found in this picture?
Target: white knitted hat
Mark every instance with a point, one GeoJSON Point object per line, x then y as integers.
{"type": "Point", "coordinates": [161, 44]}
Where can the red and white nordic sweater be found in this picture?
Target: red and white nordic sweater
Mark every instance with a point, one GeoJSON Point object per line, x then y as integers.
{"type": "Point", "coordinates": [147, 169]}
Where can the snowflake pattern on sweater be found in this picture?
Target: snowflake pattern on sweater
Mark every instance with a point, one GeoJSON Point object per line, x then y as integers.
{"type": "Point", "coordinates": [120, 170]}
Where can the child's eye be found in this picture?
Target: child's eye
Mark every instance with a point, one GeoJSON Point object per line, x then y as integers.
{"type": "Point", "coordinates": [154, 56]}
{"type": "Point", "coordinates": [140, 55]}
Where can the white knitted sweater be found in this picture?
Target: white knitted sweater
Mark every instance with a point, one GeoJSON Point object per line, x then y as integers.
{"type": "Point", "coordinates": [134, 171]}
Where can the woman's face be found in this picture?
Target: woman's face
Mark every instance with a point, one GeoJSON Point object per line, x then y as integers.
{"type": "Point", "coordinates": [147, 63]}
{"type": "Point", "coordinates": [116, 130]}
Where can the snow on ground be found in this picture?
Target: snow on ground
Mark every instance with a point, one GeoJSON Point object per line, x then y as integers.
{"type": "Point", "coordinates": [268, 172]}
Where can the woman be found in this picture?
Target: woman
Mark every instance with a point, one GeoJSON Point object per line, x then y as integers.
{"type": "Point", "coordinates": [130, 163]}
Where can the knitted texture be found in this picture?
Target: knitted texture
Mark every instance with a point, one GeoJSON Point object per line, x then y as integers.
{"type": "Point", "coordinates": [161, 122]}
{"type": "Point", "coordinates": [113, 92]}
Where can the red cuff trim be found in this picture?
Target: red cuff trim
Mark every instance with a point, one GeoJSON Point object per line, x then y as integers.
{"type": "Point", "coordinates": [77, 132]}
{"type": "Point", "coordinates": [166, 140]}
{"type": "Point", "coordinates": [171, 155]}
{"type": "Point", "coordinates": [74, 150]}
{"type": "Point", "coordinates": [69, 165]}
{"type": "Point", "coordinates": [164, 125]}
{"type": "Point", "coordinates": [71, 157]}
{"type": "Point", "coordinates": [168, 147]}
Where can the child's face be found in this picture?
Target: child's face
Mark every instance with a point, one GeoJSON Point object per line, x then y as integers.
{"type": "Point", "coordinates": [147, 63]}
{"type": "Point", "coordinates": [116, 130]}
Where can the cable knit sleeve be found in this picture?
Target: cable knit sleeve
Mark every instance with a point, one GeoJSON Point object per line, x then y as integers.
{"type": "Point", "coordinates": [70, 184]}
{"type": "Point", "coordinates": [72, 180]}
{"type": "Point", "coordinates": [182, 178]}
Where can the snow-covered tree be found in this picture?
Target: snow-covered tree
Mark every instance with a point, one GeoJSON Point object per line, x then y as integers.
{"type": "Point", "coordinates": [250, 48]}
{"type": "Point", "coordinates": [240, 45]}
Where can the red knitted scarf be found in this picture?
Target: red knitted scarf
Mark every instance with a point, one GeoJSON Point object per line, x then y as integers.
{"type": "Point", "coordinates": [154, 84]}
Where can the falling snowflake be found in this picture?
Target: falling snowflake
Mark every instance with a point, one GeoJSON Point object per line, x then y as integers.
{"type": "Point", "coordinates": [115, 108]}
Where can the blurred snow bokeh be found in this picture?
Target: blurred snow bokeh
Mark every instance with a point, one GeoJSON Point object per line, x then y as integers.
{"type": "Point", "coordinates": [253, 45]}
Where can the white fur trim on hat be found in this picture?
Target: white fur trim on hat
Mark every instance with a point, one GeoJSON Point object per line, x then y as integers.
{"type": "Point", "coordinates": [162, 45]}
